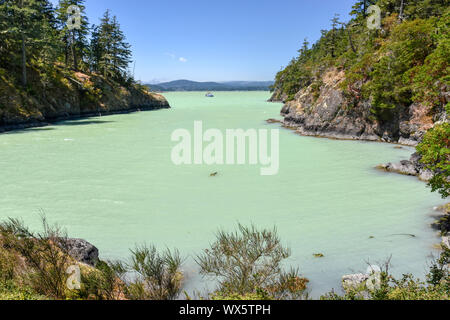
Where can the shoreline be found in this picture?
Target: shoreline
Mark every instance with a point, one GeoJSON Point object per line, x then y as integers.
{"type": "Point", "coordinates": [53, 121]}
{"type": "Point", "coordinates": [336, 136]}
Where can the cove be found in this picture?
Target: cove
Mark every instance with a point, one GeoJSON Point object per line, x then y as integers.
{"type": "Point", "coordinates": [110, 180]}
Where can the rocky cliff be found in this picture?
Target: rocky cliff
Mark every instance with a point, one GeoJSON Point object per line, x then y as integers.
{"type": "Point", "coordinates": [324, 111]}
{"type": "Point", "coordinates": [70, 96]}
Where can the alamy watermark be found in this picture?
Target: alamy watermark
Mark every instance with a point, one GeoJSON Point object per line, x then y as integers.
{"type": "Point", "coordinates": [374, 18]}
{"type": "Point", "coordinates": [231, 147]}
{"type": "Point", "coordinates": [74, 280]}
{"type": "Point", "coordinates": [74, 20]}
{"type": "Point", "coordinates": [374, 282]}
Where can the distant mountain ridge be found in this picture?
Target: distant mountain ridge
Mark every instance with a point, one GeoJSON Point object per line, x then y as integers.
{"type": "Point", "coordinates": [188, 85]}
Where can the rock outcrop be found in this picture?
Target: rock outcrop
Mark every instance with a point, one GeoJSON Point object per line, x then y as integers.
{"type": "Point", "coordinates": [324, 111]}
{"type": "Point", "coordinates": [82, 251]}
{"type": "Point", "coordinates": [411, 167]}
{"type": "Point", "coordinates": [71, 97]}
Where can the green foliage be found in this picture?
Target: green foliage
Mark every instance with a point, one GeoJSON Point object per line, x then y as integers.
{"type": "Point", "coordinates": [103, 283]}
{"type": "Point", "coordinates": [408, 46]}
{"type": "Point", "coordinates": [430, 79]}
{"type": "Point", "coordinates": [404, 62]}
{"type": "Point", "coordinates": [437, 286]}
{"type": "Point", "coordinates": [25, 31]}
{"type": "Point", "coordinates": [110, 53]}
{"type": "Point", "coordinates": [248, 262]}
{"type": "Point", "coordinates": [45, 254]}
{"type": "Point", "coordinates": [158, 275]}
{"type": "Point", "coordinates": [11, 291]}
{"type": "Point", "coordinates": [74, 42]}
{"type": "Point", "coordinates": [435, 152]}
{"type": "Point", "coordinates": [34, 36]}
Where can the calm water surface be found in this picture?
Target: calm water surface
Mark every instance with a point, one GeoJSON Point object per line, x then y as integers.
{"type": "Point", "coordinates": [110, 180]}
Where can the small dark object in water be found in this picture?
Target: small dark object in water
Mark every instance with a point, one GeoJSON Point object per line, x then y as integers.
{"type": "Point", "coordinates": [214, 174]}
{"type": "Point", "coordinates": [404, 234]}
{"type": "Point", "coordinates": [318, 255]}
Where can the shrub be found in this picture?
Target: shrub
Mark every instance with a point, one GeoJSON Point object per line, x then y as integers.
{"type": "Point", "coordinates": [249, 262]}
{"type": "Point", "coordinates": [46, 255]}
{"type": "Point", "coordinates": [11, 291]}
{"type": "Point", "coordinates": [437, 286]}
{"type": "Point", "coordinates": [105, 282]}
{"type": "Point", "coordinates": [435, 152]}
{"type": "Point", "coordinates": [158, 276]}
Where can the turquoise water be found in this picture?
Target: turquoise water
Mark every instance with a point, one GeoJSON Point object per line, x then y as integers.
{"type": "Point", "coordinates": [111, 181]}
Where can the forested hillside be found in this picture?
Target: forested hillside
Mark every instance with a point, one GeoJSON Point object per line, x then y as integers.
{"type": "Point", "coordinates": [389, 83]}
{"type": "Point", "coordinates": [54, 64]}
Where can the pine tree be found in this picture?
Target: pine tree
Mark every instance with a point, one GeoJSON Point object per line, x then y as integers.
{"type": "Point", "coordinates": [121, 53]}
{"type": "Point", "coordinates": [305, 47]}
{"type": "Point", "coordinates": [95, 50]}
{"type": "Point", "coordinates": [360, 7]}
{"type": "Point", "coordinates": [22, 29]}
{"type": "Point", "coordinates": [110, 52]}
{"type": "Point", "coordinates": [334, 24]}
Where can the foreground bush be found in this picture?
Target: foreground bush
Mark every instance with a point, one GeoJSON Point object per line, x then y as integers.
{"type": "Point", "coordinates": [11, 291]}
{"type": "Point", "coordinates": [148, 275]}
{"type": "Point", "coordinates": [437, 286]}
{"type": "Point", "coordinates": [248, 263]}
{"type": "Point", "coordinates": [159, 276]}
{"type": "Point", "coordinates": [37, 260]}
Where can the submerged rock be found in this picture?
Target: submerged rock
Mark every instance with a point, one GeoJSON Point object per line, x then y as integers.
{"type": "Point", "coordinates": [82, 251]}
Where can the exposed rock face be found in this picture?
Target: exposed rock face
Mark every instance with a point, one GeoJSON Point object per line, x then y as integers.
{"type": "Point", "coordinates": [83, 251]}
{"type": "Point", "coordinates": [278, 96]}
{"type": "Point", "coordinates": [325, 112]}
{"type": "Point", "coordinates": [411, 167]}
{"type": "Point", "coordinates": [72, 98]}
{"type": "Point", "coordinates": [442, 223]}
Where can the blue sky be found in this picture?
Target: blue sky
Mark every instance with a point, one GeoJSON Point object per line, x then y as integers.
{"type": "Point", "coordinates": [217, 40]}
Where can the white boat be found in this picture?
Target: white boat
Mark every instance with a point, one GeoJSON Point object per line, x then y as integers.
{"type": "Point", "coordinates": [209, 95]}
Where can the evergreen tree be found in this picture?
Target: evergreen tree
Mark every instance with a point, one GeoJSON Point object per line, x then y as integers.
{"type": "Point", "coordinates": [95, 50]}
{"type": "Point", "coordinates": [304, 51]}
{"type": "Point", "coordinates": [333, 44]}
{"type": "Point", "coordinates": [110, 52]}
{"type": "Point", "coordinates": [22, 29]}
{"type": "Point", "coordinates": [360, 8]}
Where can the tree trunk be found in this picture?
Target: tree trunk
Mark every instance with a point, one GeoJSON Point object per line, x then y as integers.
{"type": "Point", "coordinates": [74, 53]}
{"type": "Point", "coordinates": [402, 7]}
{"type": "Point", "coordinates": [24, 52]}
{"type": "Point", "coordinates": [351, 40]}
{"type": "Point", "coordinates": [24, 62]}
